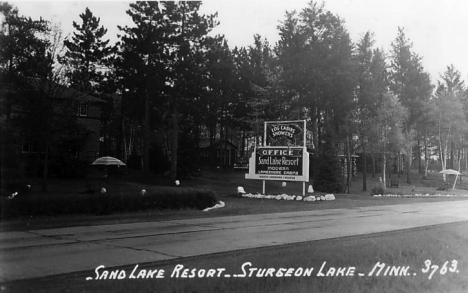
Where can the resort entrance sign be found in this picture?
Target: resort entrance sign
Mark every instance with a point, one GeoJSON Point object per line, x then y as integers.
{"type": "Point", "coordinates": [287, 159]}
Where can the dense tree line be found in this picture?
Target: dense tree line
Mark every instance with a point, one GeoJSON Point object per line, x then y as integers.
{"type": "Point", "coordinates": [170, 84]}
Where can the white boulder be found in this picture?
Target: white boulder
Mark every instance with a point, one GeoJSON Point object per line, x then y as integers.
{"type": "Point", "coordinates": [240, 190]}
{"type": "Point", "coordinates": [329, 197]}
{"type": "Point", "coordinates": [310, 198]}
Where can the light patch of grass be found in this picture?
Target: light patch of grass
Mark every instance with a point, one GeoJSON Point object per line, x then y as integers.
{"type": "Point", "coordinates": [401, 248]}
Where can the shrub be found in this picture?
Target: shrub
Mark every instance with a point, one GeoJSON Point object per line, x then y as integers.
{"type": "Point", "coordinates": [105, 204]}
{"type": "Point", "coordinates": [377, 190]}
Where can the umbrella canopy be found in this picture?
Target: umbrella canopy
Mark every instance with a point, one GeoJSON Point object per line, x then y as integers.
{"type": "Point", "coordinates": [108, 161]}
{"type": "Point", "coordinates": [450, 172]}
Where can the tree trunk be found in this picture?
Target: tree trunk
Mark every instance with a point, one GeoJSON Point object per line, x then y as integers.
{"type": "Point", "coordinates": [409, 157]}
{"type": "Point", "coordinates": [349, 164]}
{"type": "Point", "coordinates": [120, 140]}
{"type": "Point", "coordinates": [315, 131]}
{"type": "Point", "coordinates": [243, 144]}
{"type": "Point", "coordinates": [384, 167]}
{"type": "Point", "coordinates": [146, 139]}
{"type": "Point", "coordinates": [451, 156]}
{"type": "Point", "coordinates": [426, 159]}
{"type": "Point", "coordinates": [175, 144]}
{"type": "Point", "coordinates": [45, 167]}
{"type": "Point", "coordinates": [419, 156]}
{"type": "Point", "coordinates": [408, 171]}
{"type": "Point", "coordinates": [364, 171]}
{"type": "Point", "coordinates": [384, 163]}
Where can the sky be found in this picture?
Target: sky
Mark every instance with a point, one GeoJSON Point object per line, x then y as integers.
{"type": "Point", "coordinates": [436, 28]}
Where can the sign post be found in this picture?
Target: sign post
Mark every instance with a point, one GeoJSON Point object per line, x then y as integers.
{"type": "Point", "coordinates": [281, 162]}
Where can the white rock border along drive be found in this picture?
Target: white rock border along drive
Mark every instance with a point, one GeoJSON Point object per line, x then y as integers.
{"type": "Point", "coordinates": [284, 196]}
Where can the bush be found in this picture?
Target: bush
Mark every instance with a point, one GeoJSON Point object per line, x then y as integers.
{"type": "Point", "coordinates": [377, 190]}
{"type": "Point", "coordinates": [105, 204]}
{"type": "Point", "coordinates": [67, 167]}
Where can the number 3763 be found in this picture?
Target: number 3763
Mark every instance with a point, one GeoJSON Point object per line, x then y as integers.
{"type": "Point", "coordinates": [447, 267]}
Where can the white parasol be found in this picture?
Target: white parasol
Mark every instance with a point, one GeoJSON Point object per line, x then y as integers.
{"type": "Point", "coordinates": [451, 172]}
{"type": "Point", "coordinates": [108, 161]}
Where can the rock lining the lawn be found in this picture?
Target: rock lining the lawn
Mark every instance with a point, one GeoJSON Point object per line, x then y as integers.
{"type": "Point", "coordinates": [220, 204]}
{"type": "Point", "coordinates": [283, 196]}
{"type": "Point", "coordinates": [417, 195]}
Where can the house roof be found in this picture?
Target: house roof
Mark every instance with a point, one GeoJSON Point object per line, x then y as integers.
{"type": "Point", "coordinates": [204, 144]}
{"type": "Point", "coordinates": [57, 90]}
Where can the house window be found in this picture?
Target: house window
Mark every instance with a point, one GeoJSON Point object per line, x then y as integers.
{"type": "Point", "coordinates": [83, 110]}
{"type": "Point", "coordinates": [26, 147]}
{"type": "Point", "coordinates": [31, 147]}
{"type": "Point", "coordinates": [35, 148]}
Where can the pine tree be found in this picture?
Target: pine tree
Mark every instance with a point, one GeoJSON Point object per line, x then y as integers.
{"type": "Point", "coordinates": [87, 54]}
{"type": "Point", "coordinates": [328, 174]}
{"type": "Point", "coordinates": [160, 60]}
{"type": "Point", "coordinates": [412, 86]}
{"type": "Point", "coordinates": [43, 117]}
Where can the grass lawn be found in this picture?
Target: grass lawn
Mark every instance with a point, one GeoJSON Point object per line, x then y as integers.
{"type": "Point", "coordinates": [406, 253]}
{"type": "Point", "coordinates": [224, 184]}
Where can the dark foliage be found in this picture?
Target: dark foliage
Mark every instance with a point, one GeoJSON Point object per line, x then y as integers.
{"type": "Point", "coordinates": [105, 204]}
{"type": "Point", "coordinates": [66, 167]}
{"type": "Point", "coordinates": [328, 176]}
{"type": "Point", "coordinates": [159, 163]}
{"type": "Point", "coordinates": [377, 190]}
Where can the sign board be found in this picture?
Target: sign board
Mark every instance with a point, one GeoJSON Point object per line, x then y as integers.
{"type": "Point", "coordinates": [279, 163]}
{"type": "Point", "coordinates": [283, 133]}
{"type": "Point", "coordinates": [283, 130]}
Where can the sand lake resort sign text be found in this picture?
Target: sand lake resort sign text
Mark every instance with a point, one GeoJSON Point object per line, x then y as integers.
{"type": "Point", "coordinates": [286, 163]}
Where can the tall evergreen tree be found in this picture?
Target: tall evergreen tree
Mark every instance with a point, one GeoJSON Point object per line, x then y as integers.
{"type": "Point", "coordinates": [219, 96]}
{"type": "Point", "coordinates": [87, 62]}
{"type": "Point", "coordinates": [23, 51]}
{"type": "Point", "coordinates": [189, 37]}
{"type": "Point", "coordinates": [142, 63]}
{"type": "Point", "coordinates": [315, 52]}
{"type": "Point", "coordinates": [87, 54]}
{"type": "Point", "coordinates": [449, 116]}
{"type": "Point", "coordinates": [160, 58]}
{"type": "Point", "coordinates": [371, 74]}
{"type": "Point", "coordinates": [388, 128]}
{"type": "Point", "coordinates": [45, 115]}
{"type": "Point", "coordinates": [328, 173]}
{"type": "Point", "coordinates": [411, 84]}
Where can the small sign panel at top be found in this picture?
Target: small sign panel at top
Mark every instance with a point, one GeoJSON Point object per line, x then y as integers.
{"type": "Point", "coordinates": [283, 130]}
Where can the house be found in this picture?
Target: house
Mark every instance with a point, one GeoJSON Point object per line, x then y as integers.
{"type": "Point", "coordinates": [226, 153]}
{"type": "Point", "coordinates": [89, 115]}
{"type": "Point", "coordinates": [29, 143]}
{"type": "Point", "coordinates": [87, 108]}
